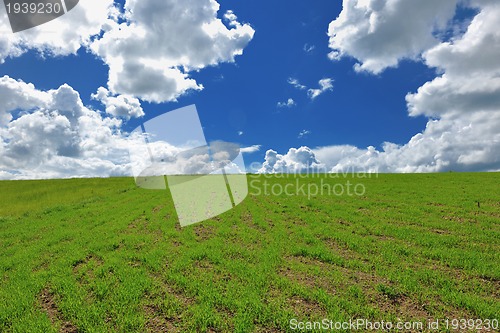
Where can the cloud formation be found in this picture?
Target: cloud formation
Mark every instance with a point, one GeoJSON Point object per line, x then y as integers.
{"type": "Point", "coordinates": [295, 160]}
{"type": "Point", "coordinates": [53, 135]}
{"type": "Point", "coordinates": [324, 86]}
{"type": "Point", "coordinates": [471, 71]}
{"type": "Point", "coordinates": [304, 133]}
{"type": "Point", "coordinates": [296, 84]}
{"type": "Point", "coordinates": [151, 53]}
{"type": "Point", "coordinates": [121, 106]}
{"type": "Point", "coordinates": [60, 37]}
{"type": "Point", "coordinates": [288, 104]}
{"type": "Point", "coordinates": [150, 48]}
{"type": "Point", "coordinates": [250, 149]}
{"type": "Point", "coordinates": [379, 33]}
{"type": "Point", "coordinates": [462, 102]}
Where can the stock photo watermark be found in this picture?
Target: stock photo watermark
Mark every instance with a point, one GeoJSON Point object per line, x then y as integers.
{"type": "Point", "coordinates": [27, 14]}
{"type": "Point", "coordinates": [204, 178]}
{"type": "Point", "coordinates": [349, 183]}
{"type": "Point", "coordinates": [366, 325]}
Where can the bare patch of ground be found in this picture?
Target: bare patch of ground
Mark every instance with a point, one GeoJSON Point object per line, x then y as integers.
{"type": "Point", "coordinates": [304, 307]}
{"type": "Point", "coordinates": [157, 319]}
{"type": "Point", "coordinates": [49, 306]}
{"type": "Point", "coordinates": [81, 264]}
{"type": "Point", "coordinates": [387, 298]}
{"type": "Point", "coordinates": [157, 322]}
{"type": "Point", "coordinates": [158, 208]}
{"type": "Point", "coordinates": [204, 231]}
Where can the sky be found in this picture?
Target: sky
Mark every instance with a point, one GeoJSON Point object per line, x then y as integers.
{"type": "Point", "coordinates": [361, 85]}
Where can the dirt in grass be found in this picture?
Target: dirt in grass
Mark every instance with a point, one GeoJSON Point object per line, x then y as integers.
{"type": "Point", "coordinates": [156, 318]}
{"type": "Point", "coordinates": [83, 268]}
{"type": "Point", "coordinates": [304, 279]}
{"type": "Point", "coordinates": [49, 306]}
{"type": "Point", "coordinates": [158, 208]}
{"type": "Point", "coordinates": [305, 307]}
{"type": "Point", "coordinates": [204, 232]}
{"type": "Point", "coordinates": [385, 298]}
{"type": "Point", "coordinates": [340, 249]}
{"type": "Point", "coordinates": [157, 322]}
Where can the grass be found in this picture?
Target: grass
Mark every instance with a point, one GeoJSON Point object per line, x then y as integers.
{"type": "Point", "coordinates": [101, 255]}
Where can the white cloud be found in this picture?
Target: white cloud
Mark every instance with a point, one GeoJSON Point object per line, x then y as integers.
{"type": "Point", "coordinates": [251, 149]}
{"type": "Point", "coordinates": [463, 103]}
{"type": "Point", "coordinates": [379, 33]}
{"type": "Point", "coordinates": [304, 133]}
{"type": "Point", "coordinates": [161, 158]}
{"type": "Point", "coordinates": [62, 36]}
{"type": "Point", "coordinates": [324, 85]}
{"type": "Point", "coordinates": [289, 103]}
{"type": "Point", "coordinates": [309, 48]}
{"type": "Point", "coordinates": [122, 106]}
{"type": "Point", "coordinates": [298, 160]}
{"type": "Point", "coordinates": [448, 144]}
{"type": "Point", "coordinates": [231, 18]}
{"type": "Point", "coordinates": [54, 135]}
{"type": "Point", "coordinates": [151, 54]}
{"type": "Point", "coordinates": [240, 133]}
{"type": "Point", "coordinates": [17, 95]}
{"type": "Point", "coordinates": [471, 71]}
{"type": "Point", "coordinates": [296, 84]}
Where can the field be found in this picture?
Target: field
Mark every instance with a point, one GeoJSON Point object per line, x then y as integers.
{"type": "Point", "coordinates": [101, 255]}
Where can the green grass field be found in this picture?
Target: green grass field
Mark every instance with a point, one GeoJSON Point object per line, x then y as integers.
{"type": "Point", "coordinates": [101, 255]}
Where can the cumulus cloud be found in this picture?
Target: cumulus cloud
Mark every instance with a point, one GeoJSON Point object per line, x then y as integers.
{"type": "Point", "coordinates": [379, 33]}
{"type": "Point", "coordinates": [63, 36]}
{"type": "Point", "coordinates": [462, 102]}
{"type": "Point", "coordinates": [151, 53]}
{"type": "Point", "coordinates": [446, 144]}
{"type": "Point", "coordinates": [324, 85]}
{"type": "Point", "coordinates": [295, 160]}
{"type": "Point", "coordinates": [52, 134]}
{"type": "Point", "coordinates": [449, 144]}
{"type": "Point", "coordinates": [231, 18]}
{"type": "Point", "coordinates": [288, 104]}
{"type": "Point", "coordinates": [150, 48]}
{"type": "Point", "coordinates": [471, 71]}
{"type": "Point", "coordinates": [17, 95]}
{"type": "Point", "coordinates": [121, 106]}
{"type": "Point", "coordinates": [160, 158]}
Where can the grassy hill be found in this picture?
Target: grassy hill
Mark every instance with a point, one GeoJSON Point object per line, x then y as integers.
{"type": "Point", "coordinates": [101, 255]}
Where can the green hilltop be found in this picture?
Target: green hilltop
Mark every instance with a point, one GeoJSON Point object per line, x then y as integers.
{"type": "Point", "coordinates": [101, 255]}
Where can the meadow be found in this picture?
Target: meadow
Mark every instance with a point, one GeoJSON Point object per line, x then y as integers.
{"type": "Point", "coordinates": [101, 255]}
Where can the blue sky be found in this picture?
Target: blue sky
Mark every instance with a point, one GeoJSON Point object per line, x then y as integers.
{"type": "Point", "coordinates": [346, 125]}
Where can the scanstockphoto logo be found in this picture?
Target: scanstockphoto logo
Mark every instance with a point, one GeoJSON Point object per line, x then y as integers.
{"type": "Point", "coordinates": [26, 14]}
{"type": "Point", "coordinates": [311, 183]}
{"type": "Point", "coordinates": [205, 179]}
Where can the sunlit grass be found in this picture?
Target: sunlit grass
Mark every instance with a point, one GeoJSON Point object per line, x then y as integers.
{"type": "Point", "coordinates": [100, 255]}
